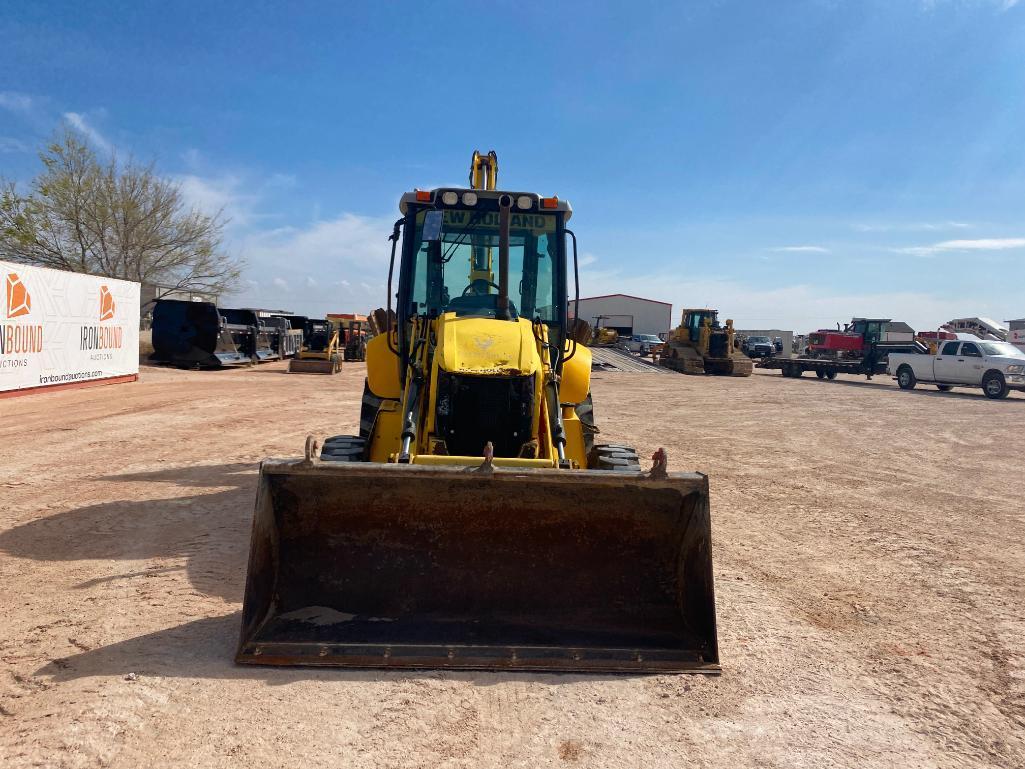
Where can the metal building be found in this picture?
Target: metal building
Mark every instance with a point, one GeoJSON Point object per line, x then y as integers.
{"type": "Point", "coordinates": [626, 314]}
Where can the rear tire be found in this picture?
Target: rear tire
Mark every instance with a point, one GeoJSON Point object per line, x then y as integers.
{"type": "Point", "coordinates": [906, 379]}
{"type": "Point", "coordinates": [344, 448]}
{"type": "Point", "coordinates": [830, 375]}
{"type": "Point", "coordinates": [944, 388]}
{"type": "Point", "coordinates": [820, 373]}
{"type": "Point", "coordinates": [994, 385]}
{"type": "Point", "coordinates": [606, 456]}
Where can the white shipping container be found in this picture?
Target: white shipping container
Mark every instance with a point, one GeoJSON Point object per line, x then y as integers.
{"type": "Point", "coordinates": [63, 328]}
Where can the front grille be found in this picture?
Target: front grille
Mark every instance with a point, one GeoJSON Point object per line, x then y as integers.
{"type": "Point", "coordinates": [472, 410]}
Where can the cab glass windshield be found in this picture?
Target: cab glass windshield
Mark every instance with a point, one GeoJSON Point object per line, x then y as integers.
{"type": "Point", "coordinates": [462, 274]}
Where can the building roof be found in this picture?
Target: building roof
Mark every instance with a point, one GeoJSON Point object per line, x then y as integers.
{"type": "Point", "coordinates": [625, 296]}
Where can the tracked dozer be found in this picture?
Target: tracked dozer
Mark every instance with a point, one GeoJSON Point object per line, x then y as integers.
{"type": "Point", "coordinates": [700, 345]}
{"type": "Point", "coordinates": [475, 522]}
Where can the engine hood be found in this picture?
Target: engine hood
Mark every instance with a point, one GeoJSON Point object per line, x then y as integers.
{"type": "Point", "coordinates": [1005, 360]}
{"type": "Point", "coordinates": [486, 346]}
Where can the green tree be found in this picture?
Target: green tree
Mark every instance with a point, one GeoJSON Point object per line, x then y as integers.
{"type": "Point", "coordinates": [117, 219]}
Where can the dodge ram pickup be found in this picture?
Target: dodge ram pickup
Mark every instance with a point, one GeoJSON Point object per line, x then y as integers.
{"type": "Point", "coordinates": [996, 367]}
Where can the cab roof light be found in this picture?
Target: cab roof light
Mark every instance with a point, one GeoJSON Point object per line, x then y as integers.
{"type": "Point", "coordinates": [550, 202]}
{"type": "Point", "coordinates": [423, 196]}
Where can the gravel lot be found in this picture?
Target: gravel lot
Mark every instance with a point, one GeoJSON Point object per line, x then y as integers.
{"type": "Point", "coordinates": [868, 556]}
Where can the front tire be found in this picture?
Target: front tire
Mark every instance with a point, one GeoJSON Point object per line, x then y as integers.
{"type": "Point", "coordinates": [368, 411]}
{"type": "Point", "coordinates": [344, 448]}
{"type": "Point", "coordinates": [585, 413]}
{"type": "Point", "coordinates": [994, 385]}
{"type": "Point", "coordinates": [906, 379]}
{"type": "Point", "coordinates": [606, 456]}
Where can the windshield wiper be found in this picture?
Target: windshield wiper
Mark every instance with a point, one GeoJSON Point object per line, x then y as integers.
{"type": "Point", "coordinates": [462, 234]}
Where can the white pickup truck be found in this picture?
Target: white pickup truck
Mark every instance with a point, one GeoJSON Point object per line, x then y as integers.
{"type": "Point", "coordinates": [996, 367]}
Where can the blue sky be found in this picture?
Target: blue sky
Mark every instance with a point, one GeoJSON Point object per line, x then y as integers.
{"type": "Point", "coordinates": [792, 163]}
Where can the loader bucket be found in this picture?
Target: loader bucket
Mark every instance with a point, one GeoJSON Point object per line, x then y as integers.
{"type": "Point", "coordinates": [314, 366]}
{"type": "Point", "coordinates": [407, 566]}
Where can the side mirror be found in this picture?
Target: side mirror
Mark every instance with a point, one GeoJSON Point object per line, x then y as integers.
{"type": "Point", "coordinates": [432, 226]}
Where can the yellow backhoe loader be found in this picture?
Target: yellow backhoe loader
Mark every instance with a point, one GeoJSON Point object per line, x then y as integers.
{"type": "Point", "coordinates": [699, 345]}
{"type": "Point", "coordinates": [474, 522]}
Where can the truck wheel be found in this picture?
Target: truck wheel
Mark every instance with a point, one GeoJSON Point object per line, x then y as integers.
{"type": "Point", "coordinates": [820, 373]}
{"type": "Point", "coordinates": [830, 375]}
{"type": "Point", "coordinates": [906, 378]}
{"type": "Point", "coordinates": [994, 386]}
{"type": "Point", "coordinates": [944, 388]}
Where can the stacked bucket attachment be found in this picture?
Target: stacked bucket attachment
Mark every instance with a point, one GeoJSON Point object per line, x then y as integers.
{"type": "Point", "coordinates": [359, 564]}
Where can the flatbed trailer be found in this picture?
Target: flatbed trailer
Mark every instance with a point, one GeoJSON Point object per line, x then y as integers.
{"type": "Point", "coordinates": [825, 368]}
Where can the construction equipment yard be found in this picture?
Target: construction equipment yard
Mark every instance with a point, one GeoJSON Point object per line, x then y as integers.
{"type": "Point", "coordinates": [868, 555]}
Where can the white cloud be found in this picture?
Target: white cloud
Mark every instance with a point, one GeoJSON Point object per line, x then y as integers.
{"type": "Point", "coordinates": [192, 158]}
{"type": "Point", "coordinates": [224, 194]}
{"type": "Point", "coordinates": [800, 308]}
{"type": "Point", "coordinates": [16, 102]}
{"type": "Point", "coordinates": [912, 226]}
{"type": "Point", "coordinates": [79, 122]}
{"type": "Point", "coordinates": [800, 250]}
{"type": "Point", "coordinates": [586, 259]}
{"type": "Point", "coordinates": [980, 244]}
{"type": "Point", "coordinates": [10, 144]}
{"type": "Point", "coordinates": [340, 263]}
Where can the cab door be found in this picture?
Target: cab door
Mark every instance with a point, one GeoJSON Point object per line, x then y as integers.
{"type": "Point", "coordinates": [972, 365]}
{"type": "Point", "coordinates": [947, 363]}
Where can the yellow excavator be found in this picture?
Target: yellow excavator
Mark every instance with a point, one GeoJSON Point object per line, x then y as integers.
{"type": "Point", "coordinates": [699, 345]}
{"type": "Point", "coordinates": [475, 522]}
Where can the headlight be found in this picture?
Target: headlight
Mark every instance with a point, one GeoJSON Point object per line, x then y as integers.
{"type": "Point", "coordinates": [449, 198]}
{"type": "Point", "coordinates": [469, 198]}
{"type": "Point", "coordinates": [1016, 369]}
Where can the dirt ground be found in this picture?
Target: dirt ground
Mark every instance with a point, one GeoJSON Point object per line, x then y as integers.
{"type": "Point", "coordinates": [868, 557]}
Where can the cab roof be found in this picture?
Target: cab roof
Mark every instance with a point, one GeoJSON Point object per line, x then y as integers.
{"type": "Point", "coordinates": [409, 198]}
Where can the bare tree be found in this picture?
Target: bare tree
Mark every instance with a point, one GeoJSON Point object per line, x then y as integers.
{"type": "Point", "coordinates": [116, 219]}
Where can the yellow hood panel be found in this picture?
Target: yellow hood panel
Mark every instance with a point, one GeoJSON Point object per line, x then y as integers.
{"type": "Point", "coordinates": [486, 346]}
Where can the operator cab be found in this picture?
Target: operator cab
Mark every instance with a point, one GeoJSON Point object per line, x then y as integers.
{"type": "Point", "coordinates": [453, 266]}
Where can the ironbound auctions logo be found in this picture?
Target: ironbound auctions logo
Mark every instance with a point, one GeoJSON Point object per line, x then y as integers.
{"type": "Point", "coordinates": [102, 337]}
{"type": "Point", "coordinates": [15, 338]}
